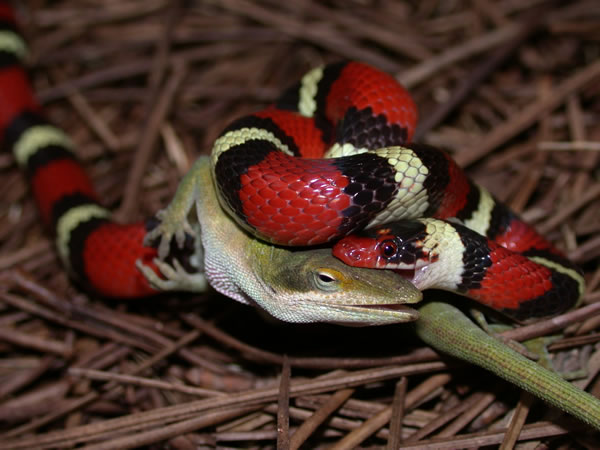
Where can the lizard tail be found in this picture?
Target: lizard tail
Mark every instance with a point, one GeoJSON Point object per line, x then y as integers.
{"type": "Point", "coordinates": [447, 329]}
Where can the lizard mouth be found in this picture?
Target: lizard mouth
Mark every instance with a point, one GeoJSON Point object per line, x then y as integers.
{"type": "Point", "coordinates": [360, 315]}
{"type": "Point", "coordinates": [391, 307]}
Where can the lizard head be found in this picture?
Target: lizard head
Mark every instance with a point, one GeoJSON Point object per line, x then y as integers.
{"type": "Point", "coordinates": [313, 286]}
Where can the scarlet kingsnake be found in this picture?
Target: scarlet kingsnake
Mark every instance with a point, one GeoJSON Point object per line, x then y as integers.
{"type": "Point", "coordinates": [353, 108]}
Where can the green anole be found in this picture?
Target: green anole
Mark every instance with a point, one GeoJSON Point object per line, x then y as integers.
{"type": "Point", "coordinates": [275, 279]}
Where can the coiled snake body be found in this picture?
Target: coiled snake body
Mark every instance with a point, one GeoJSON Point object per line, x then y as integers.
{"type": "Point", "coordinates": [333, 157]}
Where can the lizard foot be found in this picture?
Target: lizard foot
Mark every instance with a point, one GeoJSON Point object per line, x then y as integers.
{"type": "Point", "coordinates": [175, 277]}
{"type": "Point", "coordinates": [535, 349]}
{"type": "Point", "coordinates": [168, 224]}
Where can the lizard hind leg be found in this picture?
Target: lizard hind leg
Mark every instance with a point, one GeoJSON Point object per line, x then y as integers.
{"type": "Point", "coordinates": [447, 329]}
{"type": "Point", "coordinates": [535, 349]}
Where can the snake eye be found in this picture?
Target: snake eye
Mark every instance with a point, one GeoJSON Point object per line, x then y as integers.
{"type": "Point", "coordinates": [326, 280]}
{"type": "Point", "coordinates": [388, 248]}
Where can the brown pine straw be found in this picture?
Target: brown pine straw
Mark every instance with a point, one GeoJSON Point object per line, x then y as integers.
{"type": "Point", "coordinates": [511, 89]}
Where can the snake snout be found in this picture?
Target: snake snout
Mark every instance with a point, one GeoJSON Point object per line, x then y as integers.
{"type": "Point", "coordinates": [351, 251]}
{"type": "Point", "coordinates": [355, 254]}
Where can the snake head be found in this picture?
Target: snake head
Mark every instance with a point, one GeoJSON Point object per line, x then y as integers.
{"type": "Point", "coordinates": [314, 286]}
{"type": "Point", "coordinates": [391, 246]}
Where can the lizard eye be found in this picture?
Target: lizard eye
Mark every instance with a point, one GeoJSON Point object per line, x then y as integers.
{"type": "Point", "coordinates": [326, 280]}
{"type": "Point", "coordinates": [388, 248]}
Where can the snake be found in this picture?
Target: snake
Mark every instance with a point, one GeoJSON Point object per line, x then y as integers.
{"type": "Point", "coordinates": [332, 157]}
{"type": "Point", "coordinates": [332, 162]}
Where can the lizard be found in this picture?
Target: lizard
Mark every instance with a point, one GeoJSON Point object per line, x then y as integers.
{"type": "Point", "coordinates": [441, 325]}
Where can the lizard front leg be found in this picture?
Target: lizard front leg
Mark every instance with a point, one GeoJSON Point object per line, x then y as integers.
{"type": "Point", "coordinates": [173, 275]}
{"type": "Point", "coordinates": [174, 219]}
{"type": "Point", "coordinates": [174, 226]}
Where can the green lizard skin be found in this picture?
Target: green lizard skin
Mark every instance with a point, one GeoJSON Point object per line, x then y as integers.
{"type": "Point", "coordinates": [288, 285]}
{"type": "Point", "coordinates": [448, 330]}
